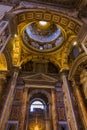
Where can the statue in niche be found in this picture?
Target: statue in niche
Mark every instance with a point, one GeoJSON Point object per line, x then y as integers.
{"type": "Point", "coordinates": [83, 80]}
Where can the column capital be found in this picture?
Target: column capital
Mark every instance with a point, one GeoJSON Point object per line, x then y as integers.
{"type": "Point", "coordinates": [64, 72]}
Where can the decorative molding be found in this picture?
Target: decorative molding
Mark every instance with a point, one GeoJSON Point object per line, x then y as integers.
{"type": "Point", "coordinates": [29, 15]}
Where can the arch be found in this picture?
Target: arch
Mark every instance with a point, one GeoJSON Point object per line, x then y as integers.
{"type": "Point", "coordinates": [37, 14]}
{"type": "Point", "coordinates": [39, 114]}
{"type": "Point", "coordinates": [78, 61]}
{"type": "Point", "coordinates": [41, 58]}
{"type": "Point", "coordinates": [38, 99]}
{"type": "Point", "coordinates": [36, 91]}
{"type": "Point", "coordinates": [37, 103]}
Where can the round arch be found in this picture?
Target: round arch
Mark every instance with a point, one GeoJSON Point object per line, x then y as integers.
{"type": "Point", "coordinates": [78, 64]}
{"type": "Point", "coordinates": [42, 92]}
{"type": "Point", "coordinates": [37, 14]}
{"type": "Point", "coordinates": [37, 103]}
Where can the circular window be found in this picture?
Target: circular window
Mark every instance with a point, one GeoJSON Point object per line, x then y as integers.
{"type": "Point", "coordinates": [42, 36]}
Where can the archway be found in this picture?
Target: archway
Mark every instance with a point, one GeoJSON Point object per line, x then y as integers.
{"type": "Point", "coordinates": [38, 111]}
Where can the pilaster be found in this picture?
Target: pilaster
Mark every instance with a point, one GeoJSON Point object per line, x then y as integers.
{"type": "Point", "coordinates": [68, 102]}
{"type": "Point", "coordinates": [81, 104]}
{"type": "Point", "coordinates": [8, 103]}
{"type": "Point", "coordinates": [54, 112]}
{"type": "Point", "coordinates": [23, 109]}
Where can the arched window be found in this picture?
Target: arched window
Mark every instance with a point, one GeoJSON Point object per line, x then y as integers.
{"type": "Point", "coordinates": [36, 105]}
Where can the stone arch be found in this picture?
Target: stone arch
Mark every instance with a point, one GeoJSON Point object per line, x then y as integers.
{"type": "Point", "coordinates": [40, 91]}
{"type": "Point", "coordinates": [78, 65]}
{"type": "Point", "coordinates": [37, 14]}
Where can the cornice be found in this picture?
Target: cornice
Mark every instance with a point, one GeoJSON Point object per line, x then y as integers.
{"type": "Point", "coordinates": [72, 15]}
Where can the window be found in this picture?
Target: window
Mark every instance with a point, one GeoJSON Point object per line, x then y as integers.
{"type": "Point", "coordinates": [75, 51]}
{"type": "Point", "coordinates": [36, 104]}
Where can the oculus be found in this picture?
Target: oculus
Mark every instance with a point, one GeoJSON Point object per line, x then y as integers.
{"type": "Point", "coordinates": [43, 23]}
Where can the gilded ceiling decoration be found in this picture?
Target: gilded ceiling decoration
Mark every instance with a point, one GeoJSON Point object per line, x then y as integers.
{"type": "Point", "coordinates": [3, 62]}
{"type": "Point", "coordinates": [78, 65]}
{"type": "Point", "coordinates": [61, 27]}
{"type": "Point", "coordinates": [66, 22]}
{"type": "Point", "coordinates": [16, 50]}
{"type": "Point", "coordinates": [51, 41]}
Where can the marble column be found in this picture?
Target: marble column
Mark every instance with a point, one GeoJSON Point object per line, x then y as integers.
{"type": "Point", "coordinates": [2, 81]}
{"type": "Point", "coordinates": [23, 109]}
{"type": "Point", "coordinates": [50, 115]}
{"type": "Point", "coordinates": [81, 104]}
{"type": "Point", "coordinates": [68, 103]}
{"type": "Point", "coordinates": [54, 111]}
{"type": "Point", "coordinates": [8, 102]}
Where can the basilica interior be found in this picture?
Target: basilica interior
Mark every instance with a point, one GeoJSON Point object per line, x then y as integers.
{"type": "Point", "coordinates": [43, 64]}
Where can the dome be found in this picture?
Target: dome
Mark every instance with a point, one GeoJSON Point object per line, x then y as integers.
{"type": "Point", "coordinates": [43, 36]}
